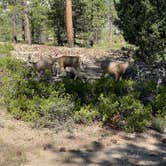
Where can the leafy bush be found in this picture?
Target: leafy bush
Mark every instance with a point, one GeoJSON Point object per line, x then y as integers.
{"type": "Point", "coordinates": [6, 48]}
{"type": "Point", "coordinates": [81, 90]}
{"type": "Point", "coordinates": [159, 124]}
{"type": "Point", "coordinates": [136, 115]}
{"type": "Point", "coordinates": [159, 105]}
{"type": "Point", "coordinates": [86, 114]}
{"type": "Point", "coordinates": [108, 108]}
{"type": "Point", "coordinates": [109, 86]}
{"type": "Point", "coordinates": [41, 102]}
{"type": "Point", "coordinates": [126, 110]}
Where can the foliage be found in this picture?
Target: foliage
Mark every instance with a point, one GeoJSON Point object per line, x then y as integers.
{"type": "Point", "coordinates": [108, 107]}
{"type": "Point", "coordinates": [6, 48]}
{"type": "Point", "coordinates": [37, 101]}
{"type": "Point", "coordinates": [56, 104]}
{"type": "Point", "coordinates": [159, 124]}
{"type": "Point", "coordinates": [137, 116]}
{"type": "Point", "coordinates": [86, 114]}
{"type": "Point", "coordinates": [88, 16]}
{"type": "Point", "coordinates": [143, 24]}
{"type": "Point", "coordinates": [127, 110]}
{"type": "Point", "coordinates": [160, 105]}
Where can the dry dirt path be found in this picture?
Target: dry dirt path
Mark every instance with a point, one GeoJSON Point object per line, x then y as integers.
{"type": "Point", "coordinates": [92, 145]}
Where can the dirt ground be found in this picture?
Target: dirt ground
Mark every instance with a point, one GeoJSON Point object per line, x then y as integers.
{"type": "Point", "coordinates": [20, 145]}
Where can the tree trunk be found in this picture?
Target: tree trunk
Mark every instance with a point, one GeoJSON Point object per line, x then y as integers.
{"type": "Point", "coordinates": [111, 32]}
{"type": "Point", "coordinates": [14, 28]}
{"type": "Point", "coordinates": [69, 23]}
{"type": "Point", "coordinates": [23, 29]}
{"type": "Point", "coordinates": [28, 31]}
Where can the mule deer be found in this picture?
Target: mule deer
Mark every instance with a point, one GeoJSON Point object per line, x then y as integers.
{"type": "Point", "coordinates": [68, 61]}
{"type": "Point", "coordinates": [42, 65]}
{"type": "Point", "coordinates": [117, 68]}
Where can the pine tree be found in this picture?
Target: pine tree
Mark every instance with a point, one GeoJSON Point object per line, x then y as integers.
{"type": "Point", "coordinates": [143, 24]}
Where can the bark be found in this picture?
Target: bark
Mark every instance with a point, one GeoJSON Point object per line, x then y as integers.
{"type": "Point", "coordinates": [14, 28]}
{"type": "Point", "coordinates": [69, 23]}
{"type": "Point", "coordinates": [28, 31]}
{"type": "Point", "coordinates": [23, 29]}
{"type": "Point", "coordinates": [111, 33]}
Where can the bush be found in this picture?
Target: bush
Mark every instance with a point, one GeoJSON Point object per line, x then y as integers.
{"type": "Point", "coordinates": [126, 111]}
{"type": "Point", "coordinates": [41, 102]}
{"type": "Point", "coordinates": [81, 90]}
{"type": "Point", "coordinates": [108, 108]}
{"type": "Point", "coordinates": [6, 49]}
{"type": "Point", "coordinates": [86, 114]}
{"type": "Point", "coordinates": [159, 105]}
{"type": "Point", "coordinates": [136, 115]}
{"type": "Point", "coordinates": [159, 124]}
{"type": "Point", "coordinates": [109, 86]}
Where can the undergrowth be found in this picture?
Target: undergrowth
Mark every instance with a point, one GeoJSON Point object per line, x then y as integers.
{"type": "Point", "coordinates": [123, 105]}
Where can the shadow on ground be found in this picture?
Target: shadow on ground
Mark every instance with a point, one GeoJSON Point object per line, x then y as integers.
{"type": "Point", "coordinates": [129, 154]}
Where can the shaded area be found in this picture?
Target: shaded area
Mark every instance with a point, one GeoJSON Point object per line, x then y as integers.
{"type": "Point", "coordinates": [128, 153]}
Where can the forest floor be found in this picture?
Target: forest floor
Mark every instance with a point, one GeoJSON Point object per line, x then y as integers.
{"type": "Point", "coordinates": [21, 145]}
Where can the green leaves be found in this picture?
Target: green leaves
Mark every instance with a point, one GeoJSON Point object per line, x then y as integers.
{"type": "Point", "coordinates": [144, 24]}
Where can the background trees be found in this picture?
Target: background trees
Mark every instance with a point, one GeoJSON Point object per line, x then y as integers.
{"type": "Point", "coordinates": [143, 24]}
{"type": "Point", "coordinates": [44, 21]}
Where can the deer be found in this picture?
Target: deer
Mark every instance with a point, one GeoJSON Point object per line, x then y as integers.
{"type": "Point", "coordinates": [68, 61]}
{"type": "Point", "coordinates": [42, 65]}
{"type": "Point", "coordinates": [117, 68]}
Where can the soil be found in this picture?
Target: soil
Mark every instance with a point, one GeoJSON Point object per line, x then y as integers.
{"type": "Point", "coordinates": [83, 145]}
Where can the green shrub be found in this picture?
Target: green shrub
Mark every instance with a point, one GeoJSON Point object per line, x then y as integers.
{"type": "Point", "coordinates": [136, 115]}
{"type": "Point", "coordinates": [41, 102]}
{"type": "Point", "coordinates": [108, 107]}
{"type": "Point", "coordinates": [126, 111]}
{"type": "Point", "coordinates": [159, 124]}
{"type": "Point", "coordinates": [86, 114]}
{"type": "Point", "coordinates": [6, 48]}
{"type": "Point", "coordinates": [109, 86]}
{"type": "Point", "coordinates": [159, 105]}
{"type": "Point", "coordinates": [82, 90]}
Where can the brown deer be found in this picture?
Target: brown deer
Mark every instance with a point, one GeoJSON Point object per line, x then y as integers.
{"type": "Point", "coordinates": [42, 65]}
{"type": "Point", "coordinates": [68, 61]}
{"type": "Point", "coordinates": [117, 68]}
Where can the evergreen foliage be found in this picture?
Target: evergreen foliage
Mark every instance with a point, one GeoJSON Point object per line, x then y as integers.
{"type": "Point", "coordinates": [143, 24]}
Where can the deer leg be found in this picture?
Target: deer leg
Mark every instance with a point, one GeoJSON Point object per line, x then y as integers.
{"type": "Point", "coordinates": [117, 76]}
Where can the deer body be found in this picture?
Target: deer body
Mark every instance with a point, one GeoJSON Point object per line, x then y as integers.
{"type": "Point", "coordinates": [68, 61]}
{"type": "Point", "coordinates": [42, 65]}
{"type": "Point", "coordinates": [117, 68]}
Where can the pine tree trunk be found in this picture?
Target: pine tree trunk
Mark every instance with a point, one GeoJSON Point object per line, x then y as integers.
{"type": "Point", "coordinates": [23, 29]}
{"type": "Point", "coordinates": [14, 28]}
{"type": "Point", "coordinates": [28, 31]}
{"type": "Point", "coordinates": [69, 23]}
{"type": "Point", "coordinates": [111, 33]}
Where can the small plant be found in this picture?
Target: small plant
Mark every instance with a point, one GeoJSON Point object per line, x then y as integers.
{"type": "Point", "coordinates": [158, 124]}
{"type": "Point", "coordinates": [86, 114]}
